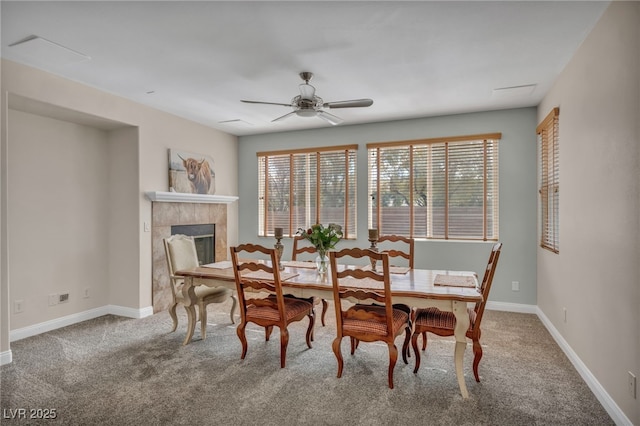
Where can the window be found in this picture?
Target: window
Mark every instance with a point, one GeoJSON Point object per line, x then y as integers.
{"type": "Point", "coordinates": [549, 181]}
{"type": "Point", "coordinates": [445, 188]}
{"type": "Point", "coordinates": [298, 188]}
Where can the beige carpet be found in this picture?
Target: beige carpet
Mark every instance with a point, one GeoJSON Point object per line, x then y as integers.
{"type": "Point", "coordinates": [119, 371]}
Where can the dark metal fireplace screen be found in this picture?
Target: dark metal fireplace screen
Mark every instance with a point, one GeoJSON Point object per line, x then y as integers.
{"type": "Point", "coordinates": [204, 237]}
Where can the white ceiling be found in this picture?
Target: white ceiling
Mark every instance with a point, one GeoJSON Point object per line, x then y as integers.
{"type": "Point", "coordinates": [198, 59]}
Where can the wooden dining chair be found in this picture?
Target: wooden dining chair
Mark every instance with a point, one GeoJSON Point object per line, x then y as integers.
{"type": "Point", "coordinates": [397, 246]}
{"type": "Point", "coordinates": [302, 245]}
{"type": "Point", "coordinates": [181, 254]}
{"type": "Point", "coordinates": [254, 279]}
{"type": "Point", "coordinates": [432, 320]}
{"type": "Point", "coordinates": [373, 317]}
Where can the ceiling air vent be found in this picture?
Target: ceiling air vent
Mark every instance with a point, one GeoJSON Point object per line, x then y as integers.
{"type": "Point", "coordinates": [44, 51]}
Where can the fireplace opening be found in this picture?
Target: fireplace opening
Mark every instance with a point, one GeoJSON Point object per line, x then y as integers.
{"type": "Point", "coordinates": [204, 237]}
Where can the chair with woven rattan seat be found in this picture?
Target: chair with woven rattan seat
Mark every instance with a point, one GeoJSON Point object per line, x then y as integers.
{"type": "Point", "coordinates": [373, 317]}
{"type": "Point", "coordinates": [432, 320]}
{"type": "Point", "coordinates": [397, 246]}
{"type": "Point", "coordinates": [262, 301]}
{"type": "Point", "coordinates": [181, 254]}
{"type": "Point", "coordinates": [300, 247]}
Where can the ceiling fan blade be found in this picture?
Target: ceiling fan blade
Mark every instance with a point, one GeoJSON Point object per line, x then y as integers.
{"type": "Point", "coordinates": [266, 103]}
{"type": "Point", "coordinates": [307, 91]}
{"type": "Point", "coordinates": [329, 118]}
{"type": "Point", "coordinates": [283, 117]}
{"type": "Point", "coordinates": [349, 104]}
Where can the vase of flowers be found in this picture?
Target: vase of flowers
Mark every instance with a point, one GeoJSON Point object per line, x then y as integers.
{"type": "Point", "coordinates": [323, 238]}
{"type": "Point", "coordinates": [322, 262]}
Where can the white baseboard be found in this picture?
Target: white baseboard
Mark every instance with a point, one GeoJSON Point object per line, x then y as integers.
{"type": "Point", "coordinates": [56, 323]}
{"type": "Point", "coordinates": [512, 307]}
{"type": "Point", "coordinates": [130, 312]}
{"type": "Point", "coordinates": [601, 394]}
{"type": "Point", "coordinates": [6, 357]}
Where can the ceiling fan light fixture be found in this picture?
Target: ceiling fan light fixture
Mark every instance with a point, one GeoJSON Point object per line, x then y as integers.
{"type": "Point", "coordinates": [306, 112]}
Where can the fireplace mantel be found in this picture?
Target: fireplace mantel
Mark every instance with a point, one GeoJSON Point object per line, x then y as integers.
{"type": "Point", "coordinates": [183, 197]}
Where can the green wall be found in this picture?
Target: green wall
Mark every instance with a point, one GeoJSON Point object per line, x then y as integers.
{"type": "Point", "coordinates": [518, 192]}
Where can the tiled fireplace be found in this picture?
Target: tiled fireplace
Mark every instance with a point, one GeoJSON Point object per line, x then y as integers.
{"type": "Point", "coordinates": [168, 213]}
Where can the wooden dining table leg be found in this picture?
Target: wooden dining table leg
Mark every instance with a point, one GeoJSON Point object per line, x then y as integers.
{"type": "Point", "coordinates": [462, 324]}
{"type": "Point", "coordinates": [189, 294]}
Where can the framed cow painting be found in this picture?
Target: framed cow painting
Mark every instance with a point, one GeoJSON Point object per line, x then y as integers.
{"type": "Point", "coordinates": [190, 172]}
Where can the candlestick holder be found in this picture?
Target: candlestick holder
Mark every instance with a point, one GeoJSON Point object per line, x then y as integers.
{"type": "Point", "coordinates": [279, 250]}
{"type": "Point", "coordinates": [374, 247]}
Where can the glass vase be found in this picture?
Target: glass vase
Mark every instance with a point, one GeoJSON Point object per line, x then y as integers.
{"type": "Point", "coordinates": [322, 262]}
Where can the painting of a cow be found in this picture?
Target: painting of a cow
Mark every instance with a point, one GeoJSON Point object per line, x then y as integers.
{"type": "Point", "coordinates": [198, 173]}
{"type": "Point", "coordinates": [190, 172]}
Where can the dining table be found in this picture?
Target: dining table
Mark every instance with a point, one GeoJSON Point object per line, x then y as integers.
{"type": "Point", "coordinates": [446, 290]}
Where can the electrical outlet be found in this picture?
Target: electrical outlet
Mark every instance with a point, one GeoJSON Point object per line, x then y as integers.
{"type": "Point", "coordinates": [18, 306]}
{"type": "Point", "coordinates": [564, 311]}
{"type": "Point", "coordinates": [64, 297]}
{"type": "Point", "coordinates": [632, 385]}
{"type": "Point", "coordinates": [53, 299]}
{"type": "Point", "coordinates": [86, 293]}
{"type": "Point", "coordinates": [515, 285]}
{"type": "Point", "coordinates": [147, 227]}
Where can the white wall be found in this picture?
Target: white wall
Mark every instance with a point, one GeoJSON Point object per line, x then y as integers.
{"type": "Point", "coordinates": [135, 160]}
{"type": "Point", "coordinates": [5, 354]}
{"type": "Point", "coordinates": [518, 189]}
{"type": "Point", "coordinates": [123, 227]}
{"type": "Point", "coordinates": [596, 274]}
{"type": "Point", "coordinates": [57, 216]}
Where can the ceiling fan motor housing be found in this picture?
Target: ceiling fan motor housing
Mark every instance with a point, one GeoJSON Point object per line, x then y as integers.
{"type": "Point", "coordinates": [306, 107]}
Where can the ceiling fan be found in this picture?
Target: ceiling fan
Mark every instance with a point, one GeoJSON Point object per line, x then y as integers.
{"type": "Point", "coordinates": [307, 104]}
